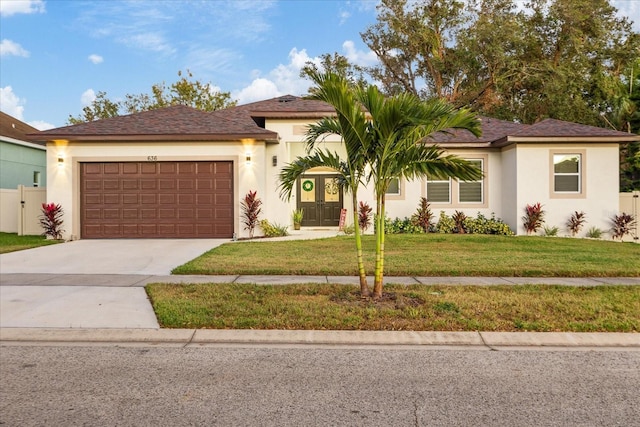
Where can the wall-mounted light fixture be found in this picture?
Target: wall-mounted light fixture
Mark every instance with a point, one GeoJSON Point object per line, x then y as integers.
{"type": "Point", "coordinates": [248, 157]}
{"type": "Point", "coordinates": [274, 160]}
{"type": "Point", "coordinates": [60, 160]}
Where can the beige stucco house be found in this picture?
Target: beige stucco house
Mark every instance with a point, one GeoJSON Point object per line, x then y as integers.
{"type": "Point", "coordinates": [179, 172]}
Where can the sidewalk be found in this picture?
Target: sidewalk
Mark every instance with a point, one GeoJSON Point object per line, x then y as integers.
{"type": "Point", "coordinates": [114, 309]}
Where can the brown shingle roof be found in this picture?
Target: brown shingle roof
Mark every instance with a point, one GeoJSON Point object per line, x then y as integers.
{"type": "Point", "coordinates": [16, 129]}
{"type": "Point", "coordinates": [182, 123]}
{"type": "Point", "coordinates": [492, 130]}
{"type": "Point", "coordinates": [175, 123]}
{"type": "Point", "coordinates": [559, 128]}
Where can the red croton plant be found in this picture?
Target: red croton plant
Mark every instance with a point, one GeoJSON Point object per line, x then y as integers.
{"type": "Point", "coordinates": [51, 220]}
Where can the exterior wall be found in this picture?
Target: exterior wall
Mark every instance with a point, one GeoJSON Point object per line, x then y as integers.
{"type": "Point", "coordinates": [64, 181]}
{"type": "Point", "coordinates": [600, 183]}
{"type": "Point", "coordinates": [509, 185]}
{"type": "Point", "coordinates": [18, 162]}
{"type": "Point", "coordinates": [406, 204]}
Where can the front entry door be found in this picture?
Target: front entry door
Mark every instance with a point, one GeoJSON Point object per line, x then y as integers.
{"type": "Point", "coordinates": [321, 200]}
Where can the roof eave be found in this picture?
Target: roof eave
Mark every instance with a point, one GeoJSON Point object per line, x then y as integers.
{"type": "Point", "coordinates": [574, 139]}
{"type": "Point", "coordinates": [267, 137]}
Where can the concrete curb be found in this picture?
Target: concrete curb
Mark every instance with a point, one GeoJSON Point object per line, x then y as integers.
{"type": "Point", "coordinates": [196, 337]}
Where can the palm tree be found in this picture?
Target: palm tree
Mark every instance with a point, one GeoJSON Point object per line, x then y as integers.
{"type": "Point", "coordinates": [352, 125]}
{"type": "Point", "coordinates": [400, 126]}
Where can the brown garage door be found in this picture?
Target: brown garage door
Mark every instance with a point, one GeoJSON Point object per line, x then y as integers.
{"type": "Point", "coordinates": [156, 200]}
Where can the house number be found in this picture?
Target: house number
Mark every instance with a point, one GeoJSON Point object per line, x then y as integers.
{"type": "Point", "coordinates": [152, 158]}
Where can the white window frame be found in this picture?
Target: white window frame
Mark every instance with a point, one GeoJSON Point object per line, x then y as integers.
{"type": "Point", "coordinates": [581, 174]}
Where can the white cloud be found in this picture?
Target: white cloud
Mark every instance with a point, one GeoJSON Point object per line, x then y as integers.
{"type": "Point", "coordinates": [40, 125]}
{"type": "Point", "coordinates": [96, 59]}
{"type": "Point", "coordinates": [13, 7]}
{"type": "Point", "coordinates": [344, 16]}
{"type": "Point", "coordinates": [10, 103]}
{"type": "Point", "coordinates": [258, 90]}
{"type": "Point", "coordinates": [358, 57]}
{"type": "Point", "coordinates": [87, 97]}
{"type": "Point", "coordinates": [8, 47]}
{"type": "Point", "coordinates": [285, 78]}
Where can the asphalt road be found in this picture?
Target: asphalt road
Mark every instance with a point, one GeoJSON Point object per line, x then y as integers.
{"type": "Point", "coordinates": [257, 386]}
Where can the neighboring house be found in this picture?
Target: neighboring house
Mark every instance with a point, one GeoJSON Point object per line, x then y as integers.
{"type": "Point", "coordinates": [22, 161]}
{"type": "Point", "coordinates": [179, 172]}
{"type": "Point", "coordinates": [23, 165]}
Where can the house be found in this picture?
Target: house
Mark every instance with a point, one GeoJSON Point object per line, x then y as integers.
{"type": "Point", "coordinates": [23, 166]}
{"type": "Point", "coordinates": [22, 161]}
{"type": "Point", "coordinates": [179, 172]}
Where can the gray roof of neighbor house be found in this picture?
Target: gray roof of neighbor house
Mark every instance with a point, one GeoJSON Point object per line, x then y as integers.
{"type": "Point", "coordinates": [182, 123]}
{"type": "Point", "coordinates": [16, 129]}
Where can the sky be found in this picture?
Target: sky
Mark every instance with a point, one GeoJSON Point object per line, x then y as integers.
{"type": "Point", "coordinates": [56, 55]}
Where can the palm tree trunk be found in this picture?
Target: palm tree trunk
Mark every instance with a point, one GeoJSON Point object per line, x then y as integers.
{"type": "Point", "coordinates": [379, 270]}
{"type": "Point", "coordinates": [364, 287]}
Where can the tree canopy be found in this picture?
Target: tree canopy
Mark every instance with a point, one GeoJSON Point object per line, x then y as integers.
{"type": "Point", "coordinates": [185, 91]}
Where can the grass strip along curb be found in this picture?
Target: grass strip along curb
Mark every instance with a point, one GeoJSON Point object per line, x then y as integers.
{"type": "Point", "coordinates": [512, 308]}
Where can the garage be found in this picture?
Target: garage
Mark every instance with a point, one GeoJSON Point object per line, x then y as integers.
{"type": "Point", "coordinates": [181, 199]}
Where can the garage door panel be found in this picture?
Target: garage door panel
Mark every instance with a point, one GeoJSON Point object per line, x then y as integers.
{"type": "Point", "coordinates": [130, 213]}
{"type": "Point", "coordinates": [130, 199]}
{"type": "Point", "coordinates": [148, 168]}
{"type": "Point", "coordinates": [129, 184]}
{"type": "Point", "coordinates": [111, 199]}
{"type": "Point", "coordinates": [112, 168]}
{"type": "Point", "coordinates": [130, 168]}
{"type": "Point", "coordinates": [110, 184]}
{"type": "Point", "coordinates": [150, 200]}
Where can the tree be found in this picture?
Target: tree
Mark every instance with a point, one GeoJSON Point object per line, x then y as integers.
{"type": "Point", "coordinates": [385, 138]}
{"type": "Point", "coordinates": [552, 58]}
{"type": "Point", "coordinates": [203, 96]}
{"type": "Point", "coordinates": [100, 108]}
{"type": "Point", "coordinates": [352, 125]}
{"type": "Point", "coordinates": [411, 40]}
{"type": "Point", "coordinates": [337, 64]}
{"type": "Point", "coordinates": [399, 127]}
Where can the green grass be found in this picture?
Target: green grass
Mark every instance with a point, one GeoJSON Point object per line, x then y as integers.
{"type": "Point", "coordinates": [416, 307]}
{"type": "Point", "coordinates": [426, 255]}
{"type": "Point", "coordinates": [11, 242]}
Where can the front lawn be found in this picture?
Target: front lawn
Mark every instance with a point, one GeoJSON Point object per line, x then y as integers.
{"type": "Point", "coordinates": [416, 307]}
{"type": "Point", "coordinates": [426, 255]}
{"type": "Point", "coordinates": [10, 242]}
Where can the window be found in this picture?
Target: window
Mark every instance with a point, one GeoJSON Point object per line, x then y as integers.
{"type": "Point", "coordinates": [439, 191]}
{"type": "Point", "coordinates": [36, 178]}
{"type": "Point", "coordinates": [394, 187]}
{"type": "Point", "coordinates": [566, 173]}
{"type": "Point", "coordinates": [471, 191]}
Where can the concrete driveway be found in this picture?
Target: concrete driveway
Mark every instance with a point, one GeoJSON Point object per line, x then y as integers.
{"type": "Point", "coordinates": [155, 257]}
{"type": "Point", "coordinates": [101, 272]}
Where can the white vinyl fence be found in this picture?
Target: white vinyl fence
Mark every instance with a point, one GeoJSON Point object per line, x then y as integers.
{"type": "Point", "coordinates": [630, 204]}
{"type": "Point", "coordinates": [20, 210]}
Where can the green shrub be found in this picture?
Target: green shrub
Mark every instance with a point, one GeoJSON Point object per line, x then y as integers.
{"type": "Point", "coordinates": [445, 224]}
{"type": "Point", "coordinates": [483, 225]}
{"type": "Point", "coordinates": [594, 233]}
{"type": "Point", "coordinates": [401, 226]}
{"type": "Point", "coordinates": [273, 230]}
{"type": "Point", "coordinates": [551, 231]}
